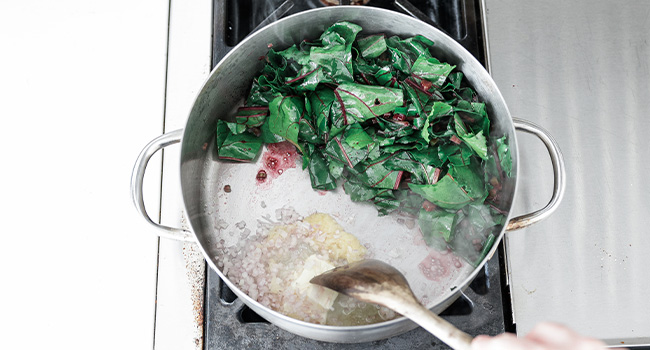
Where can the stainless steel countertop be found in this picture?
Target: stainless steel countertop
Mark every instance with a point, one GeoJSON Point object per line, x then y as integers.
{"type": "Point", "coordinates": [581, 70]}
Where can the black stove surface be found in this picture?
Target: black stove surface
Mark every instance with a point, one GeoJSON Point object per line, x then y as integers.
{"type": "Point", "coordinates": [482, 309]}
{"type": "Point", "coordinates": [235, 19]}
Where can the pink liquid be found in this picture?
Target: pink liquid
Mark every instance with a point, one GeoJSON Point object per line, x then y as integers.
{"type": "Point", "coordinates": [438, 265]}
{"type": "Point", "coordinates": [276, 160]}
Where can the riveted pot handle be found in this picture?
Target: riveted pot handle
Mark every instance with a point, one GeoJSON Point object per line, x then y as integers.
{"type": "Point", "coordinates": [559, 176]}
{"type": "Point", "coordinates": [137, 178]}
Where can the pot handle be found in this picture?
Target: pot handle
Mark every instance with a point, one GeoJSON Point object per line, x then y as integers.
{"type": "Point", "coordinates": [559, 176]}
{"type": "Point", "coordinates": [137, 178]}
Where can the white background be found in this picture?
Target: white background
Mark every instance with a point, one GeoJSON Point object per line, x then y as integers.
{"type": "Point", "coordinates": [81, 92]}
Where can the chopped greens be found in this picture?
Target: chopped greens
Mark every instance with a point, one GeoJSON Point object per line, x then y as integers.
{"type": "Point", "coordinates": [389, 122]}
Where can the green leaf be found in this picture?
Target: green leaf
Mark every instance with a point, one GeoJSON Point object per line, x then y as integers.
{"type": "Point", "coordinates": [308, 132]}
{"type": "Point", "coordinates": [372, 46]}
{"type": "Point", "coordinates": [236, 128]}
{"type": "Point", "coordinates": [505, 159]}
{"type": "Point", "coordinates": [268, 136]}
{"type": "Point", "coordinates": [294, 56]}
{"type": "Point", "coordinates": [413, 47]}
{"type": "Point", "coordinates": [275, 73]}
{"type": "Point", "coordinates": [477, 142]}
{"type": "Point", "coordinates": [356, 137]}
{"type": "Point", "coordinates": [259, 95]}
{"type": "Point", "coordinates": [470, 178]}
{"type": "Point", "coordinates": [284, 118]}
{"type": "Point", "coordinates": [418, 101]}
{"type": "Point", "coordinates": [321, 102]}
{"type": "Point", "coordinates": [455, 154]}
{"type": "Point", "coordinates": [405, 140]}
{"type": "Point", "coordinates": [489, 242]}
{"type": "Point", "coordinates": [446, 193]}
{"type": "Point", "coordinates": [363, 102]}
{"type": "Point", "coordinates": [374, 152]}
{"type": "Point", "coordinates": [480, 216]}
{"type": "Point", "coordinates": [368, 68]}
{"type": "Point", "coordinates": [461, 158]}
{"type": "Point", "coordinates": [242, 147]}
{"type": "Point", "coordinates": [439, 110]}
{"type": "Point", "coordinates": [404, 52]}
{"type": "Point", "coordinates": [308, 78]}
{"type": "Point", "coordinates": [319, 174]}
{"type": "Point", "coordinates": [432, 70]}
{"type": "Point", "coordinates": [385, 77]}
{"type": "Point", "coordinates": [341, 151]}
{"type": "Point", "coordinates": [335, 57]}
{"type": "Point", "coordinates": [411, 202]}
{"type": "Point", "coordinates": [359, 192]}
{"type": "Point", "coordinates": [475, 114]}
{"type": "Point", "coordinates": [222, 132]}
{"type": "Point", "coordinates": [400, 60]}
{"type": "Point", "coordinates": [455, 79]}
{"type": "Point", "coordinates": [301, 73]}
{"type": "Point", "coordinates": [340, 33]}
{"type": "Point", "coordinates": [377, 175]}
{"type": "Point", "coordinates": [420, 173]}
{"type": "Point", "coordinates": [394, 129]}
{"type": "Point", "coordinates": [336, 169]}
{"type": "Point", "coordinates": [335, 62]}
{"type": "Point", "coordinates": [251, 117]}
{"type": "Point", "coordinates": [396, 148]}
{"type": "Point", "coordinates": [427, 156]}
{"type": "Point", "coordinates": [435, 225]}
{"type": "Point", "coordinates": [386, 203]}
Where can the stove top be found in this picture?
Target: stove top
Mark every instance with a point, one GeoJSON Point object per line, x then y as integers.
{"type": "Point", "coordinates": [484, 308]}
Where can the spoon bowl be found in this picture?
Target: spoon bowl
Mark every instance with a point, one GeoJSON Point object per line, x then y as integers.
{"type": "Point", "coordinates": [379, 283]}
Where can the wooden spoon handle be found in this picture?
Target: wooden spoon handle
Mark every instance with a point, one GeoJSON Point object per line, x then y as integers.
{"type": "Point", "coordinates": [437, 326]}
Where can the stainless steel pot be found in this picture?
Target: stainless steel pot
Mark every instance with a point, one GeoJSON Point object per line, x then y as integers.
{"type": "Point", "coordinates": [203, 175]}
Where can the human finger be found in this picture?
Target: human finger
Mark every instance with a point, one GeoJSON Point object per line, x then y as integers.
{"type": "Point", "coordinates": [559, 336]}
{"type": "Point", "coordinates": [552, 334]}
{"type": "Point", "coordinates": [502, 341]}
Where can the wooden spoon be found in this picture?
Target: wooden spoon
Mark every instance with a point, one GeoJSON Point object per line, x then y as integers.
{"type": "Point", "coordinates": [376, 282]}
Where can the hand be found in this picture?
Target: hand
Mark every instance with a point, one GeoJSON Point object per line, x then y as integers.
{"type": "Point", "coordinates": [545, 336]}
